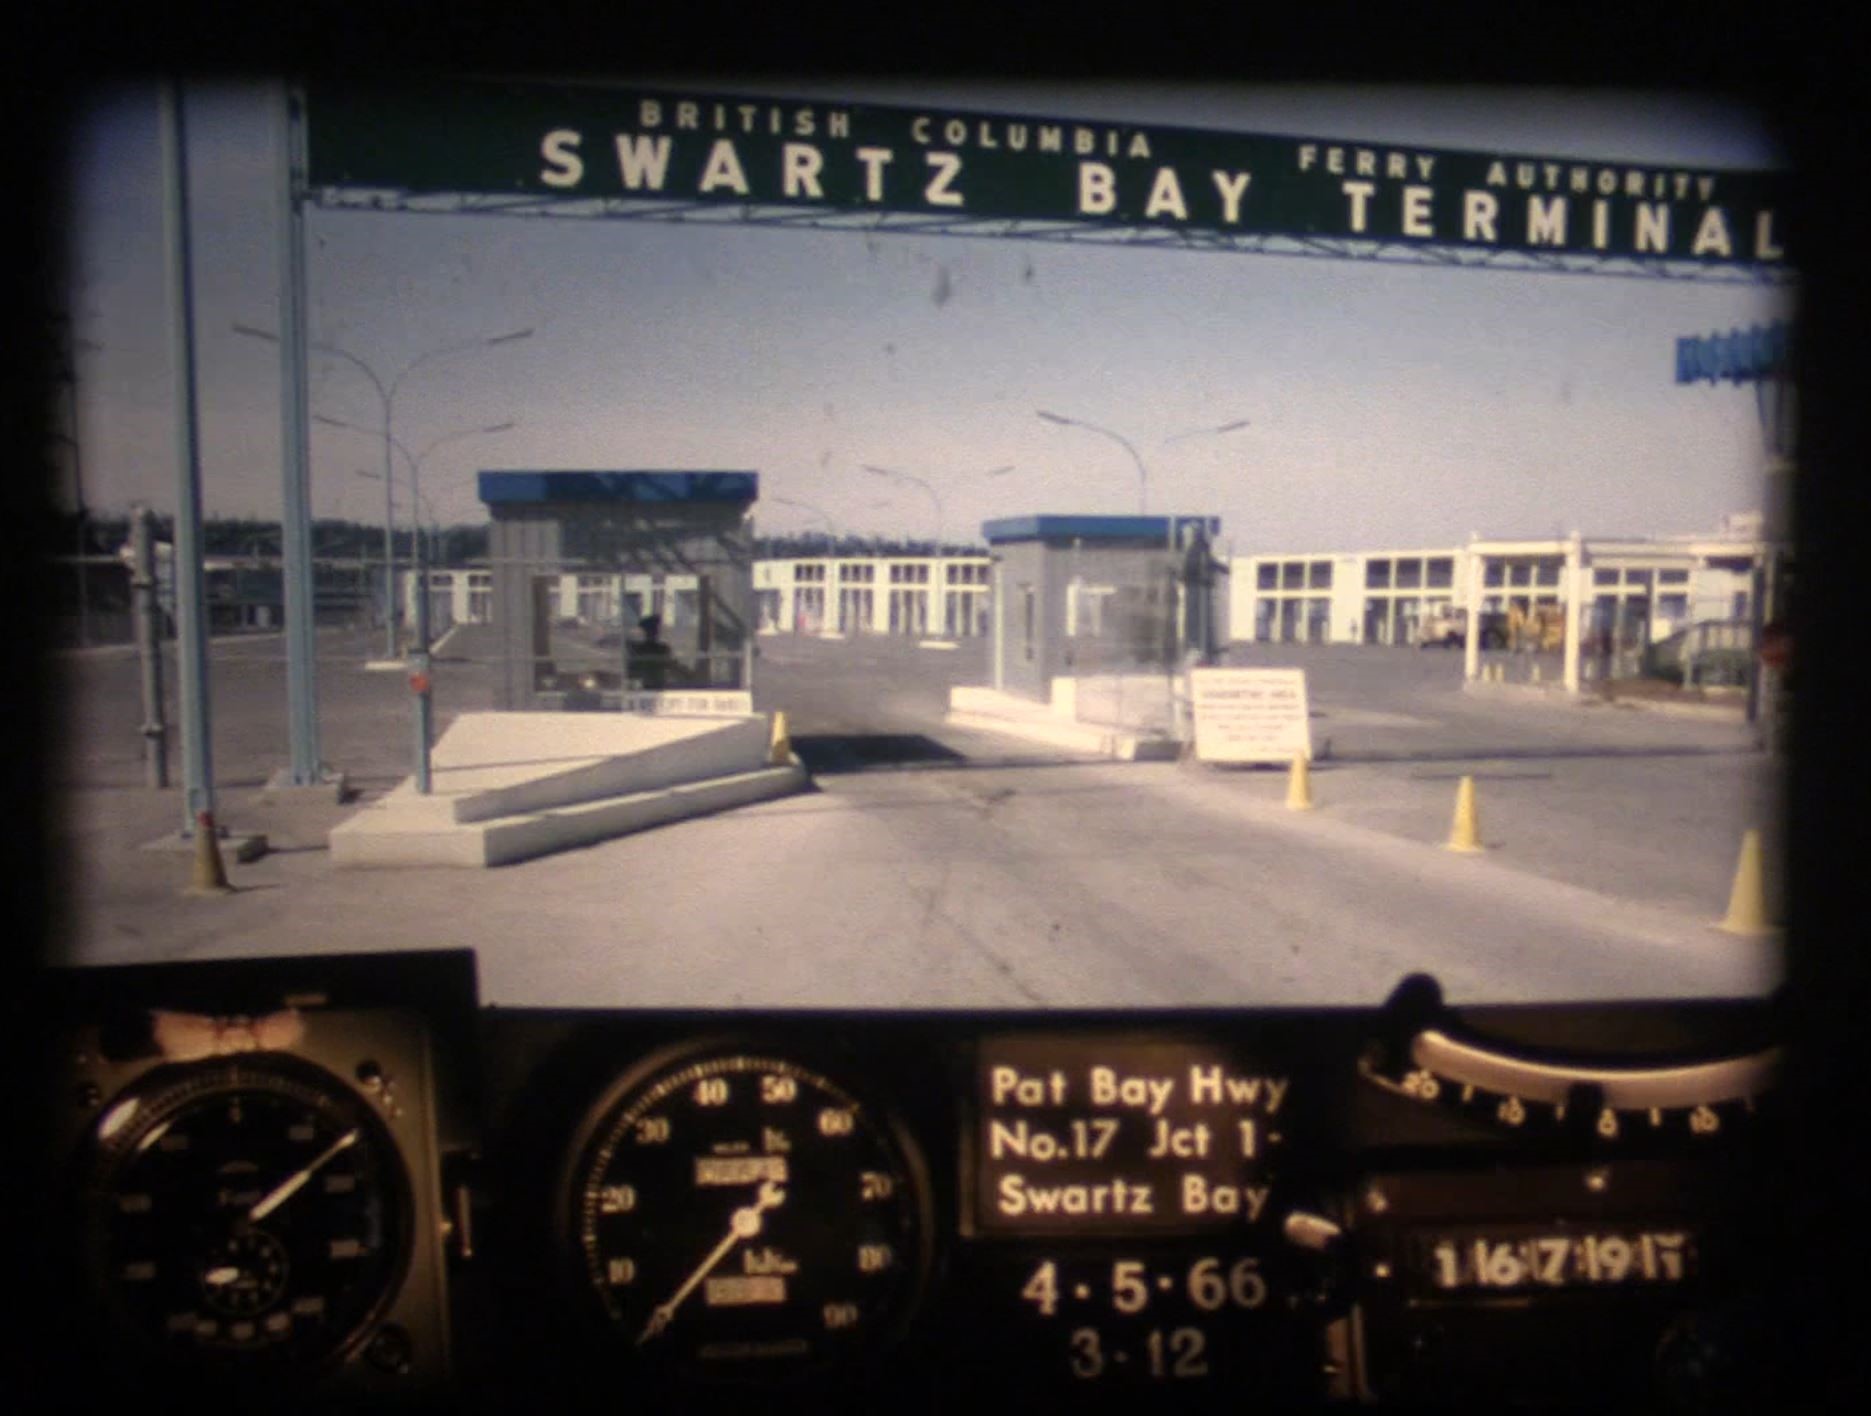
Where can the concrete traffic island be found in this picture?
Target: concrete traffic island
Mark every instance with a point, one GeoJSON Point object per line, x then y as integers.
{"type": "Point", "coordinates": [1058, 723]}
{"type": "Point", "coordinates": [512, 786]}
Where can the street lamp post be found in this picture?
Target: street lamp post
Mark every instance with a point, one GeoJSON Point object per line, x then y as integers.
{"type": "Point", "coordinates": [386, 394]}
{"type": "Point", "coordinates": [1143, 473]}
{"type": "Point", "coordinates": [929, 603]}
{"type": "Point", "coordinates": [1143, 483]}
{"type": "Point", "coordinates": [830, 526]}
{"type": "Point", "coordinates": [413, 461]}
{"type": "Point", "coordinates": [419, 655]}
{"type": "Point", "coordinates": [935, 498]}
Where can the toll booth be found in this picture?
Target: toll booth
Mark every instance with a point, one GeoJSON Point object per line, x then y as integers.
{"type": "Point", "coordinates": [608, 586]}
{"type": "Point", "coordinates": [1098, 596]}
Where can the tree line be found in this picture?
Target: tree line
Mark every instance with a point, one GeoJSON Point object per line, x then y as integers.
{"type": "Point", "coordinates": [450, 545]}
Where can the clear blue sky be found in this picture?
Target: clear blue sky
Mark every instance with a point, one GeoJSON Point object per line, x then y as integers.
{"type": "Point", "coordinates": [1388, 405]}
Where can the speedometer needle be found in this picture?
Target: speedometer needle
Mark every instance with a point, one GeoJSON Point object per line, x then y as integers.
{"type": "Point", "coordinates": [744, 1224]}
{"type": "Point", "coordinates": [292, 1184]}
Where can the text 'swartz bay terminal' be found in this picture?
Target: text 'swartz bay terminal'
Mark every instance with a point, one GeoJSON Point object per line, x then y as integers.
{"type": "Point", "coordinates": [586, 144]}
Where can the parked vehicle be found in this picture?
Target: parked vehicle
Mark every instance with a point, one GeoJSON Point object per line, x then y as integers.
{"type": "Point", "coordinates": [1448, 629]}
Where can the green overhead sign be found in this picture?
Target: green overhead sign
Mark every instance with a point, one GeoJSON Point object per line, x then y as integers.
{"type": "Point", "coordinates": [571, 141]}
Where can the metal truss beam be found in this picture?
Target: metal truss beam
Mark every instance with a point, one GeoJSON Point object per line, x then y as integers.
{"type": "Point", "coordinates": [1065, 233]}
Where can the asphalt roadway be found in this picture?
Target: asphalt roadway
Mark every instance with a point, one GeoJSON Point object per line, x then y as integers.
{"type": "Point", "coordinates": [937, 867]}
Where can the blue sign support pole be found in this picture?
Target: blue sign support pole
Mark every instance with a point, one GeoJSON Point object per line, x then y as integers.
{"type": "Point", "coordinates": [190, 589]}
{"type": "Point", "coordinates": [295, 459]}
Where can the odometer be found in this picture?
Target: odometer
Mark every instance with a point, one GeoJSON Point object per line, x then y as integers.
{"type": "Point", "coordinates": [739, 1215]}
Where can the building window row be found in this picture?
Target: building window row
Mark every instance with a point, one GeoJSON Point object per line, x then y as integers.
{"type": "Point", "coordinates": [1522, 571]}
{"type": "Point", "coordinates": [1409, 572]}
{"type": "Point", "coordinates": [1294, 575]}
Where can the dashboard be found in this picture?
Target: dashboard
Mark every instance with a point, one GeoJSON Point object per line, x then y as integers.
{"type": "Point", "coordinates": [343, 1181]}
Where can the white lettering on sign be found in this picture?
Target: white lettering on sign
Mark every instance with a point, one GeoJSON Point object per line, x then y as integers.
{"type": "Point", "coordinates": [1546, 221]}
{"type": "Point", "coordinates": [803, 163]}
{"type": "Point", "coordinates": [874, 159]}
{"type": "Point", "coordinates": [1109, 1089]}
{"type": "Point", "coordinates": [1232, 186]}
{"type": "Point", "coordinates": [1083, 1135]}
{"type": "Point", "coordinates": [1479, 210]}
{"type": "Point", "coordinates": [724, 169]}
{"type": "Point", "coordinates": [1359, 193]}
{"type": "Point", "coordinates": [695, 705]}
{"type": "Point", "coordinates": [1653, 228]}
{"type": "Point", "coordinates": [944, 167]}
{"type": "Point", "coordinates": [1765, 248]}
{"type": "Point", "coordinates": [560, 149]}
{"type": "Point", "coordinates": [1015, 1197]}
{"type": "Point", "coordinates": [1712, 235]}
{"type": "Point", "coordinates": [1366, 162]}
{"type": "Point", "coordinates": [1166, 196]}
{"type": "Point", "coordinates": [1097, 189]}
{"type": "Point", "coordinates": [1189, 1142]}
{"type": "Point", "coordinates": [1250, 715]}
{"type": "Point", "coordinates": [1201, 1196]}
{"type": "Point", "coordinates": [1210, 1086]}
{"type": "Point", "coordinates": [643, 162]}
{"type": "Point", "coordinates": [1007, 1084]}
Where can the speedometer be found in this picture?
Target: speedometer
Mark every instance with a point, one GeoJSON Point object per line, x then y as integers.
{"type": "Point", "coordinates": [736, 1214]}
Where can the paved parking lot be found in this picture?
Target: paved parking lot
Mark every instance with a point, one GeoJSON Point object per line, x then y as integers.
{"type": "Point", "coordinates": [957, 868]}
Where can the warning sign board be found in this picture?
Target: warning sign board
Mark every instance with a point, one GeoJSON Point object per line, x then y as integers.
{"type": "Point", "coordinates": [1250, 715]}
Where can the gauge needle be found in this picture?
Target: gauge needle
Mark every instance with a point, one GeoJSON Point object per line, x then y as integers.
{"type": "Point", "coordinates": [744, 1224]}
{"type": "Point", "coordinates": [220, 1276]}
{"type": "Point", "coordinates": [292, 1184]}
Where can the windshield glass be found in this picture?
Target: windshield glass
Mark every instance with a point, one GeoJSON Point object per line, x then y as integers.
{"type": "Point", "coordinates": [852, 545]}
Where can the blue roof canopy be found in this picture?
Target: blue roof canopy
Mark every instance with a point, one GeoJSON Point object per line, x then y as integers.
{"type": "Point", "coordinates": [1091, 528]}
{"type": "Point", "coordinates": [638, 488]}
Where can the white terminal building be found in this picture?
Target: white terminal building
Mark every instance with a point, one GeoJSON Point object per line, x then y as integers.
{"type": "Point", "coordinates": [852, 595]}
{"type": "Point", "coordinates": [819, 595]}
{"type": "Point", "coordinates": [1630, 591]}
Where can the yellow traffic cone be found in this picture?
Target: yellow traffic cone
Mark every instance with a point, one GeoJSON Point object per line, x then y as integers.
{"type": "Point", "coordinates": [1747, 899]}
{"type": "Point", "coordinates": [209, 876]}
{"type": "Point", "coordinates": [1299, 785]}
{"type": "Point", "coordinates": [1465, 834]}
{"type": "Point", "coordinates": [780, 752]}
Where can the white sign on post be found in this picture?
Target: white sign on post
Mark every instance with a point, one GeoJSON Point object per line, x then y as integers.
{"type": "Point", "coordinates": [1250, 715]}
{"type": "Point", "coordinates": [717, 703]}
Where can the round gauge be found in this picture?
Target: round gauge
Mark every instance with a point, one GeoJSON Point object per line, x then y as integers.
{"type": "Point", "coordinates": [244, 1218]}
{"type": "Point", "coordinates": [738, 1215]}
